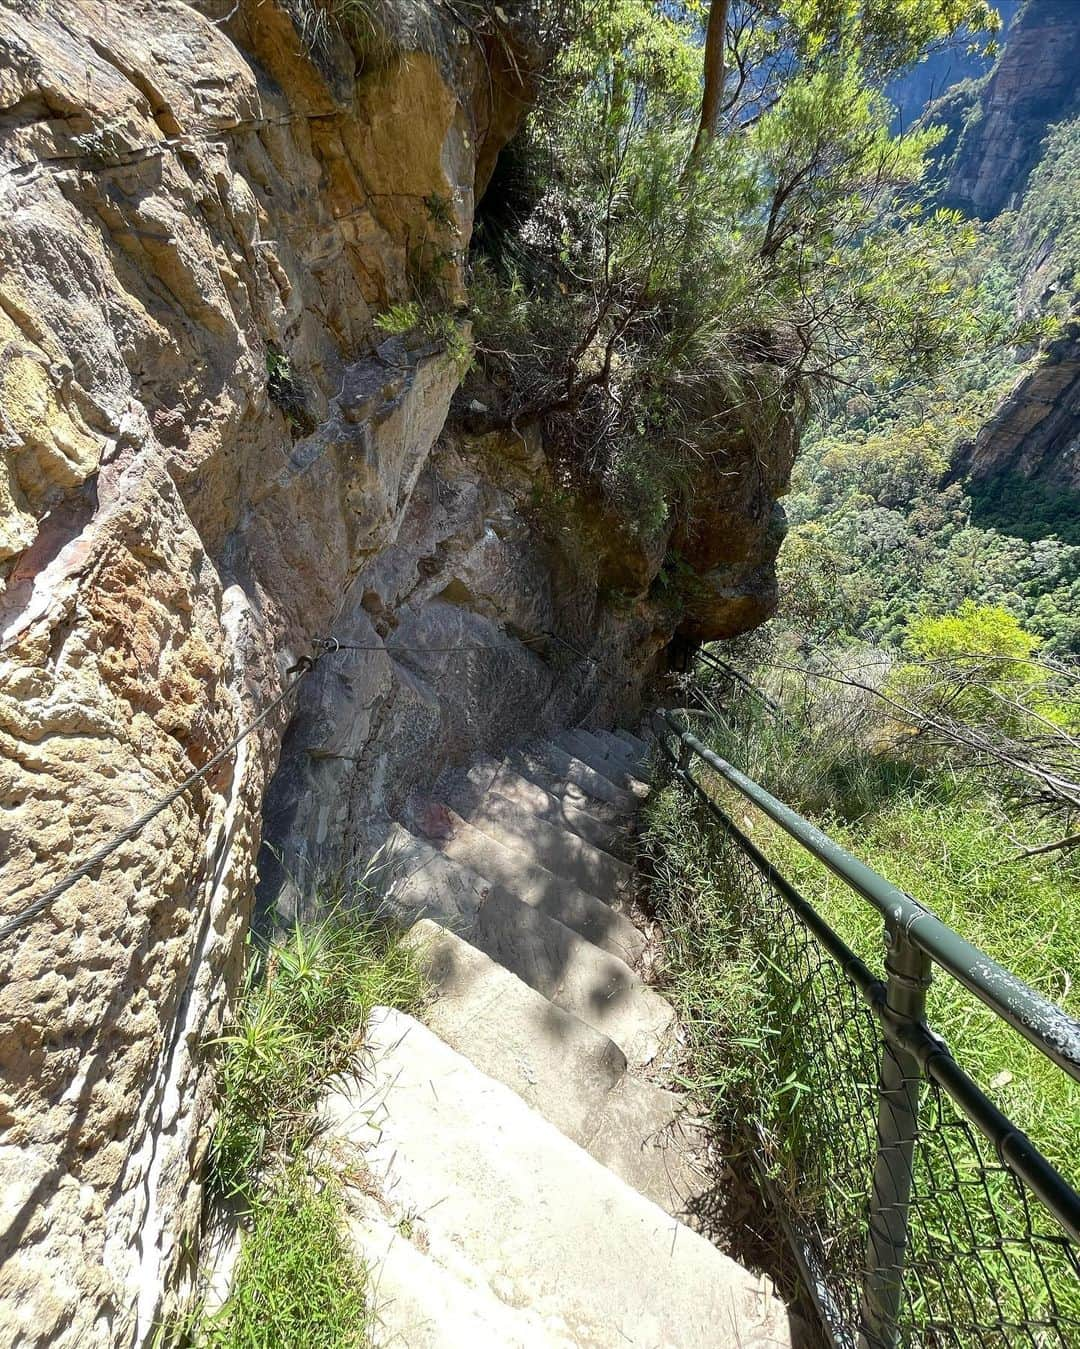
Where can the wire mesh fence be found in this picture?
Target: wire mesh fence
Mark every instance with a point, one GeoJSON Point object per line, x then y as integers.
{"type": "Point", "coordinates": [985, 1263]}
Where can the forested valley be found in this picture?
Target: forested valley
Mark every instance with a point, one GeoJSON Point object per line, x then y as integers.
{"type": "Point", "coordinates": [916, 693]}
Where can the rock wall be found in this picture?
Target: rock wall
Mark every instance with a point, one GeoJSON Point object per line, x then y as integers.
{"type": "Point", "coordinates": [1035, 433]}
{"type": "Point", "coordinates": [211, 459]}
{"type": "Point", "coordinates": [1033, 84]}
{"type": "Point", "coordinates": [996, 131]}
{"type": "Point", "coordinates": [927, 80]}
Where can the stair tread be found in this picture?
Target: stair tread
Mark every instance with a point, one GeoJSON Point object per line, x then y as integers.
{"type": "Point", "coordinates": [572, 1074]}
{"type": "Point", "coordinates": [590, 751]}
{"type": "Point", "coordinates": [553, 847]}
{"type": "Point", "coordinates": [595, 986]}
{"type": "Point", "coordinates": [615, 817]}
{"type": "Point", "coordinates": [634, 740]}
{"type": "Point", "coordinates": [494, 854]}
{"type": "Point", "coordinates": [562, 768]}
{"type": "Point", "coordinates": [417, 1304]}
{"type": "Point", "coordinates": [576, 812]}
{"type": "Point", "coordinates": [634, 758]}
{"type": "Point", "coordinates": [557, 1063]}
{"type": "Point", "coordinates": [501, 1193]}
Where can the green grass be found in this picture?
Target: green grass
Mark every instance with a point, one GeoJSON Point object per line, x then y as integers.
{"type": "Point", "coordinates": [299, 1023]}
{"type": "Point", "coordinates": [785, 1061]}
{"type": "Point", "coordinates": [296, 1284]}
{"type": "Point", "coordinates": [709, 957]}
{"type": "Point", "coordinates": [956, 855]}
{"type": "Point", "coordinates": [946, 837]}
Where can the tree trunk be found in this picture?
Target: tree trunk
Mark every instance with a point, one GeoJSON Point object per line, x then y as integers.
{"type": "Point", "coordinates": [713, 94]}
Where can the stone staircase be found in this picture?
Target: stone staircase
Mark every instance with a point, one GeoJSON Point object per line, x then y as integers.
{"type": "Point", "coordinates": [523, 1176]}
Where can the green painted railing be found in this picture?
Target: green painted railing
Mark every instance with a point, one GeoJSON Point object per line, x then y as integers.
{"type": "Point", "coordinates": [919, 1214]}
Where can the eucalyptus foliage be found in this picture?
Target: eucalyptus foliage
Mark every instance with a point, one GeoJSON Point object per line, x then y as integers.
{"type": "Point", "coordinates": [650, 306]}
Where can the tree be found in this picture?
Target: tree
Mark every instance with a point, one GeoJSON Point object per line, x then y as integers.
{"type": "Point", "coordinates": [651, 315]}
{"type": "Point", "coordinates": [712, 94]}
{"type": "Point", "coordinates": [975, 687]}
{"type": "Point", "coordinates": [975, 665]}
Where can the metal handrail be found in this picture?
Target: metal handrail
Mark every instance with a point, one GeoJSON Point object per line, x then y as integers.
{"type": "Point", "coordinates": [710, 658]}
{"type": "Point", "coordinates": [915, 941]}
{"type": "Point", "coordinates": [1052, 1031]}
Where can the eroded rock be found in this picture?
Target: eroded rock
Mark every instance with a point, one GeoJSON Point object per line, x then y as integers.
{"type": "Point", "coordinates": [1032, 85]}
{"type": "Point", "coordinates": [176, 214]}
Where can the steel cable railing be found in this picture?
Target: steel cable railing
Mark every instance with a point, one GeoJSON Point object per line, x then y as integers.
{"type": "Point", "coordinates": [323, 646]}
{"type": "Point", "coordinates": [919, 1214]}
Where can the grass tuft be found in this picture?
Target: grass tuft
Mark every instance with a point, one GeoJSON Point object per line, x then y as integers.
{"type": "Point", "coordinates": [296, 1284]}
{"type": "Point", "coordinates": [299, 1023]}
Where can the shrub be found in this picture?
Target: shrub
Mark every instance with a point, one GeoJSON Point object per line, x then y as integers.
{"type": "Point", "coordinates": [655, 308]}
{"type": "Point", "coordinates": [425, 324]}
{"type": "Point", "coordinates": [287, 391]}
{"type": "Point", "coordinates": [298, 1023]}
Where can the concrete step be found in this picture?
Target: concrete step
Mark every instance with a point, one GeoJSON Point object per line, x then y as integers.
{"type": "Point", "coordinates": [619, 818]}
{"type": "Point", "coordinates": [417, 1304]}
{"type": "Point", "coordinates": [501, 861]}
{"type": "Point", "coordinates": [554, 848]}
{"type": "Point", "coordinates": [589, 751]}
{"type": "Point", "coordinates": [616, 752]}
{"type": "Point", "coordinates": [557, 770]}
{"type": "Point", "coordinates": [637, 760]}
{"type": "Point", "coordinates": [574, 811]}
{"type": "Point", "coordinates": [560, 1065]}
{"type": "Point", "coordinates": [501, 1200]}
{"type": "Point", "coordinates": [597, 988]}
{"type": "Point", "coordinates": [569, 1072]}
{"type": "Point", "coordinates": [636, 742]}
{"type": "Point", "coordinates": [647, 1138]}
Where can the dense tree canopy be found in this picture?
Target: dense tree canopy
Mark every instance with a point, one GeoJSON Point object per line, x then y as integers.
{"type": "Point", "coordinates": [647, 292]}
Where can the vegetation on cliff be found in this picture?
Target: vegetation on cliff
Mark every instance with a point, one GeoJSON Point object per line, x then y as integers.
{"type": "Point", "coordinates": [652, 297]}
{"type": "Point", "coordinates": [945, 833]}
{"type": "Point", "coordinates": [297, 1284]}
{"type": "Point", "coordinates": [884, 525]}
{"type": "Point", "coordinates": [952, 767]}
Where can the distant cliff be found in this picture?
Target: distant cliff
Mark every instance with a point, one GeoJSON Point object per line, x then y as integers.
{"type": "Point", "coordinates": [1012, 144]}
{"type": "Point", "coordinates": [1032, 443]}
{"type": "Point", "coordinates": [999, 123]}
{"type": "Point", "coordinates": [941, 71]}
{"type": "Point", "coordinates": [1035, 433]}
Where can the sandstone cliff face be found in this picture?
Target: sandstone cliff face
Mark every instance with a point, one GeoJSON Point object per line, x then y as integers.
{"type": "Point", "coordinates": [939, 71]}
{"type": "Point", "coordinates": [1035, 433]}
{"type": "Point", "coordinates": [212, 458]}
{"type": "Point", "coordinates": [1033, 84]}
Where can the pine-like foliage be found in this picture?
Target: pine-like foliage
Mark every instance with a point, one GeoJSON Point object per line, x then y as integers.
{"type": "Point", "coordinates": [650, 306]}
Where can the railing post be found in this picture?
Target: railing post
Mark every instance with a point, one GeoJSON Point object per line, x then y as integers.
{"type": "Point", "coordinates": [908, 977]}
